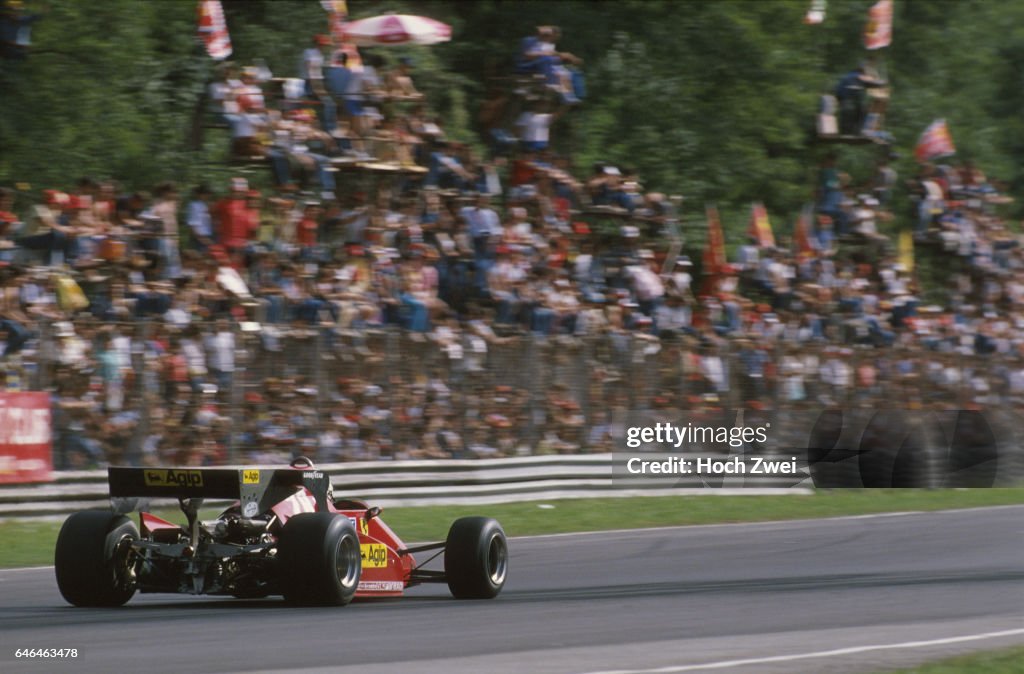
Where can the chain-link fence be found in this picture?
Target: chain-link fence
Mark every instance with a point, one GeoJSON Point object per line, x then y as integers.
{"type": "Point", "coordinates": [212, 393]}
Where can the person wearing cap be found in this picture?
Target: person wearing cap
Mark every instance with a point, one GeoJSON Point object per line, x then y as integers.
{"type": "Point", "coordinates": [680, 277]}
{"type": "Point", "coordinates": [864, 218]}
{"type": "Point", "coordinates": [604, 184]}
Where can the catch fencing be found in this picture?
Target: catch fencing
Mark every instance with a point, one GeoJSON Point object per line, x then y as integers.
{"type": "Point", "coordinates": [141, 393]}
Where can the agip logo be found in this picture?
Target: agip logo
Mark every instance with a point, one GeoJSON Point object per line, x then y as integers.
{"type": "Point", "coordinates": [374, 555]}
{"type": "Point", "coordinates": [173, 478]}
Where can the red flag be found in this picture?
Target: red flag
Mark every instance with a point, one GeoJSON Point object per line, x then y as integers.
{"type": "Point", "coordinates": [802, 235]}
{"type": "Point", "coordinates": [760, 228]}
{"type": "Point", "coordinates": [935, 142]}
{"type": "Point", "coordinates": [714, 250]}
{"type": "Point", "coordinates": [878, 31]}
{"type": "Point", "coordinates": [213, 30]}
{"type": "Point", "coordinates": [816, 13]}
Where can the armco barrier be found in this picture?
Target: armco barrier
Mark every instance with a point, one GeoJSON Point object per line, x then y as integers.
{"type": "Point", "coordinates": [411, 483]}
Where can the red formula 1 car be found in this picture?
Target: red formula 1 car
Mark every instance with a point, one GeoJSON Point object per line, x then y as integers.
{"type": "Point", "coordinates": [285, 535]}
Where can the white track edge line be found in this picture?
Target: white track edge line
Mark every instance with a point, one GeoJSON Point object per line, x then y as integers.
{"type": "Point", "coordinates": [723, 664]}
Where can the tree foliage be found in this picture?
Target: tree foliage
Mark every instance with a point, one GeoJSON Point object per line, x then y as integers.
{"type": "Point", "coordinates": [713, 99]}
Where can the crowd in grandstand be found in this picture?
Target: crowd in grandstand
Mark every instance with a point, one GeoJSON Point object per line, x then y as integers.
{"type": "Point", "coordinates": [465, 305]}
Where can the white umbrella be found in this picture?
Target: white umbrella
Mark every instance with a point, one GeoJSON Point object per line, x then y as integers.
{"type": "Point", "coordinates": [397, 29]}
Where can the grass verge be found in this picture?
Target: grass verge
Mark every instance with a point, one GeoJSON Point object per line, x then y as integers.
{"type": "Point", "coordinates": [31, 543]}
{"type": "Point", "coordinates": [1008, 661]}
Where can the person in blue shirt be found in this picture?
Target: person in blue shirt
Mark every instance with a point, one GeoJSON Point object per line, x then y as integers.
{"type": "Point", "coordinates": [851, 95]}
{"type": "Point", "coordinates": [198, 218]}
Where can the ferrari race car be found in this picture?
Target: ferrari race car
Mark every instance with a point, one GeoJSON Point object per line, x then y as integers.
{"type": "Point", "coordinates": [285, 535]}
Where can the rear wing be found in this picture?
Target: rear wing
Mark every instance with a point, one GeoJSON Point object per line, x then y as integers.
{"type": "Point", "coordinates": [257, 489]}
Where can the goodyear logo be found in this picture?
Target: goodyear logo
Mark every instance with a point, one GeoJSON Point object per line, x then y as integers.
{"type": "Point", "coordinates": [173, 478]}
{"type": "Point", "coordinates": [250, 477]}
{"type": "Point", "coordinates": [375, 555]}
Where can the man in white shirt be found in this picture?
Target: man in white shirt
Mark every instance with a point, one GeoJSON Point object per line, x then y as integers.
{"type": "Point", "coordinates": [220, 349]}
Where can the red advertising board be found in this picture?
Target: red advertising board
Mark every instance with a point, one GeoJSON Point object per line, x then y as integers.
{"type": "Point", "coordinates": [26, 453]}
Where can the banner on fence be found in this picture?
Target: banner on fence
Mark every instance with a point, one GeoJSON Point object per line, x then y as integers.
{"type": "Point", "coordinates": [26, 453]}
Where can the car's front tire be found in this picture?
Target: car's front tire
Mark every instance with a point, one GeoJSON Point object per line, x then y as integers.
{"type": "Point", "coordinates": [319, 560]}
{"type": "Point", "coordinates": [94, 560]}
{"type": "Point", "coordinates": [476, 558]}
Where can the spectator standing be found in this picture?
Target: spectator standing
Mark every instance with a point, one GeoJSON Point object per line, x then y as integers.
{"type": "Point", "coordinates": [236, 221]}
{"type": "Point", "coordinates": [311, 70]}
{"type": "Point", "coordinates": [165, 208]}
{"type": "Point", "coordinates": [199, 220]}
{"type": "Point", "coordinates": [220, 351]}
{"type": "Point", "coordinates": [484, 230]}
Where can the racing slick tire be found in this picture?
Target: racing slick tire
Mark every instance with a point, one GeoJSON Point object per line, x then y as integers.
{"type": "Point", "coordinates": [94, 561]}
{"type": "Point", "coordinates": [319, 557]}
{"type": "Point", "coordinates": [476, 558]}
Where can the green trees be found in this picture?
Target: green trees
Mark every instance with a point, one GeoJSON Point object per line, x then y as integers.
{"type": "Point", "coordinates": [712, 99]}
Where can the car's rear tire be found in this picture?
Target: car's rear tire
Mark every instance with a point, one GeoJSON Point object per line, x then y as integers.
{"type": "Point", "coordinates": [476, 558]}
{"type": "Point", "coordinates": [94, 561]}
{"type": "Point", "coordinates": [319, 559]}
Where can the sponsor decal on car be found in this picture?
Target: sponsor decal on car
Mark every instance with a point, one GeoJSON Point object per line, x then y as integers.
{"type": "Point", "coordinates": [250, 477]}
{"type": "Point", "coordinates": [173, 478]}
{"type": "Point", "coordinates": [364, 526]}
{"type": "Point", "coordinates": [380, 586]}
{"type": "Point", "coordinates": [374, 555]}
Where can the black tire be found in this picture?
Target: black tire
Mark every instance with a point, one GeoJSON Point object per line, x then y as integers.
{"type": "Point", "coordinates": [94, 559]}
{"type": "Point", "coordinates": [319, 560]}
{"type": "Point", "coordinates": [476, 558]}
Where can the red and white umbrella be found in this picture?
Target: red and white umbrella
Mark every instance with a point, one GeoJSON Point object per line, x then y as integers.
{"type": "Point", "coordinates": [397, 29]}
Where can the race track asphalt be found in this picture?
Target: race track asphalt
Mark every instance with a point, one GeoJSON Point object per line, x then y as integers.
{"type": "Point", "coordinates": [837, 595]}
